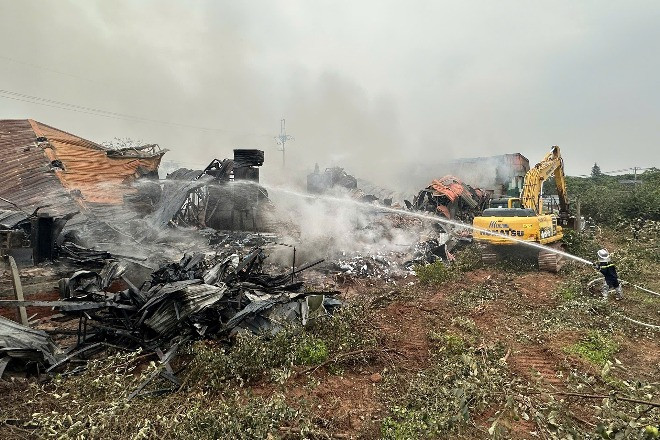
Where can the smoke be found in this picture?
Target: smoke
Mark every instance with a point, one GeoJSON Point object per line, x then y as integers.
{"type": "Point", "coordinates": [335, 225]}
{"type": "Point", "coordinates": [374, 87]}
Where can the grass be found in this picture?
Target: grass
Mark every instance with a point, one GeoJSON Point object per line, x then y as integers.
{"type": "Point", "coordinates": [568, 291]}
{"type": "Point", "coordinates": [596, 347]}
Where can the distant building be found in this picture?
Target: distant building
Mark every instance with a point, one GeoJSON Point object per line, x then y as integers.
{"type": "Point", "coordinates": [503, 174]}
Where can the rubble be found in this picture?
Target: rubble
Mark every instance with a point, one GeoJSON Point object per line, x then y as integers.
{"type": "Point", "coordinates": [26, 344]}
{"type": "Point", "coordinates": [451, 198]}
{"type": "Point", "coordinates": [201, 296]}
{"type": "Point", "coordinates": [318, 182]}
{"type": "Point", "coordinates": [336, 179]}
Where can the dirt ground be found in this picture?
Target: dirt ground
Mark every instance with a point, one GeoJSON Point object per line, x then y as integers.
{"type": "Point", "coordinates": [348, 402]}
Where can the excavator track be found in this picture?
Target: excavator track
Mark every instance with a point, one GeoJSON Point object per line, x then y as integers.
{"type": "Point", "coordinates": [550, 261]}
{"type": "Point", "coordinates": [489, 255]}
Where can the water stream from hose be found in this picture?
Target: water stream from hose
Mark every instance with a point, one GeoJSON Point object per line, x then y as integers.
{"type": "Point", "coordinates": [433, 218]}
{"type": "Point", "coordinates": [422, 216]}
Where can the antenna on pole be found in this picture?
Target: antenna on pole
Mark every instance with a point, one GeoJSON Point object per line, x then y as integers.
{"type": "Point", "coordinates": [282, 139]}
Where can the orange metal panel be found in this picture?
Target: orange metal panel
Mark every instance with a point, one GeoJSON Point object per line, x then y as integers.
{"type": "Point", "coordinates": [87, 167]}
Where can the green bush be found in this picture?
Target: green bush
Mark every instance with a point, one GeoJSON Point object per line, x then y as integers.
{"type": "Point", "coordinates": [311, 352]}
{"type": "Point", "coordinates": [580, 244]}
{"type": "Point", "coordinates": [350, 328]}
{"type": "Point", "coordinates": [608, 201]}
{"type": "Point", "coordinates": [468, 259]}
{"type": "Point", "coordinates": [251, 358]}
{"type": "Point", "coordinates": [434, 273]}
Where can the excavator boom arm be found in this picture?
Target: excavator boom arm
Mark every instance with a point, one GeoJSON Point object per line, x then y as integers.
{"type": "Point", "coordinates": [552, 164]}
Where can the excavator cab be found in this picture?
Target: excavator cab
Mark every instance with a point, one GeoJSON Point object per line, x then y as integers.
{"type": "Point", "coordinates": [509, 203]}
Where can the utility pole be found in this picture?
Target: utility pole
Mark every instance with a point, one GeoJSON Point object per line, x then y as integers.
{"type": "Point", "coordinates": [635, 178]}
{"type": "Point", "coordinates": [282, 139]}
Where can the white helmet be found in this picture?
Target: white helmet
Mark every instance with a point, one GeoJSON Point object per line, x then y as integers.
{"type": "Point", "coordinates": [603, 256]}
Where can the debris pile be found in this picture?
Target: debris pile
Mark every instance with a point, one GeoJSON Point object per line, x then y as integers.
{"type": "Point", "coordinates": [430, 251]}
{"type": "Point", "coordinates": [201, 296]}
{"type": "Point", "coordinates": [381, 265]}
{"type": "Point", "coordinates": [451, 198]}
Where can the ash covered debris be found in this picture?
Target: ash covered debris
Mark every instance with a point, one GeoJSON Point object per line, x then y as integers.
{"type": "Point", "coordinates": [201, 296]}
{"type": "Point", "coordinates": [320, 182]}
{"type": "Point", "coordinates": [337, 180]}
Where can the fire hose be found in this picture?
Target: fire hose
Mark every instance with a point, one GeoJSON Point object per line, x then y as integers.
{"type": "Point", "coordinates": [645, 324]}
{"type": "Point", "coordinates": [641, 288]}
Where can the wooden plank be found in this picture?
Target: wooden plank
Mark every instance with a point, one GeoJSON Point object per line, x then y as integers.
{"type": "Point", "coordinates": [18, 291]}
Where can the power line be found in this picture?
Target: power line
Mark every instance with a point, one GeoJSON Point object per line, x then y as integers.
{"type": "Point", "coordinates": [40, 67]}
{"type": "Point", "coordinates": [16, 96]}
{"type": "Point", "coordinates": [632, 169]}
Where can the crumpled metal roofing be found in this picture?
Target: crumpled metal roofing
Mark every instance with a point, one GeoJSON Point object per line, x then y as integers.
{"type": "Point", "coordinates": [25, 176]}
{"type": "Point", "coordinates": [101, 178]}
{"type": "Point", "coordinates": [453, 188]}
{"type": "Point", "coordinates": [40, 164]}
{"type": "Point", "coordinates": [11, 219]}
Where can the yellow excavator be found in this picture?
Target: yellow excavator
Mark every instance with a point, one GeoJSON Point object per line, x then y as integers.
{"type": "Point", "coordinates": [524, 218]}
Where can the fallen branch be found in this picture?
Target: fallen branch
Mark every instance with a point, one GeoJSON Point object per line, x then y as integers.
{"type": "Point", "coordinates": [344, 355]}
{"type": "Point", "coordinates": [594, 396]}
{"type": "Point", "coordinates": [601, 396]}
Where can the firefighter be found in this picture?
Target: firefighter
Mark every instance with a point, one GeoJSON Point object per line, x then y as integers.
{"type": "Point", "coordinates": [608, 269]}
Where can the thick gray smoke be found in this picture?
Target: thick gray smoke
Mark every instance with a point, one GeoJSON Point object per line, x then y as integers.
{"type": "Point", "coordinates": [374, 87]}
{"type": "Point", "coordinates": [335, 225]}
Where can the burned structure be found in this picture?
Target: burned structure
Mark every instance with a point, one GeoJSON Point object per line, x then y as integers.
{"type": "Point", "coordinates": [48, 175]}
{"type": "Point", "coordinates": [30, 238]}
{"type": "Point", "coordinates": [225, 195]}
{"type": "Point", "coordinates": [320, 182]}
{"type": "Point", "coordinates": [504, 176]}
{"type": "Point", "coordinates": [451, 198]}
{"type": "Point", "coordinates": [40, 165]}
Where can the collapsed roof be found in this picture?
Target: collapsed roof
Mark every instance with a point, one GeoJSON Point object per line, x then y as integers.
{"type": "Point", "coordinates": [451, 198]}
{"type": "Point", "coordinates": [42, 164]}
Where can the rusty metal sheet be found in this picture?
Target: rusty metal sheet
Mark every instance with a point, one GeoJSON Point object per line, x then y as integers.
{"type": "Point", "coordinates": [40, 164]}
{"type": "Point", "coordinates": [25, 176]}
{"type": "Point", "coordinates": [101, 178]}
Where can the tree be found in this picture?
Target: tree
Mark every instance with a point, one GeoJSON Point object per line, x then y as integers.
{"type": "Point", "coordinates": [595, 171]}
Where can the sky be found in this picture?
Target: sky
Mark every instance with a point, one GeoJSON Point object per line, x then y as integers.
{"type": "Point", "coordinates": [378, 87]}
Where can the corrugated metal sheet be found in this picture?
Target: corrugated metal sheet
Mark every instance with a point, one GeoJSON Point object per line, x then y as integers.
{"type": "Point", "coordinates": [28, 179]}
{"type": "Point", "coordinates": [450, 186]}
{"type": "Point", "coordinates": [25, 176]}
{"type": "Point", "coordinates": [87, 167]}
{"type": "Point", "coordinates": [9, 219]}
